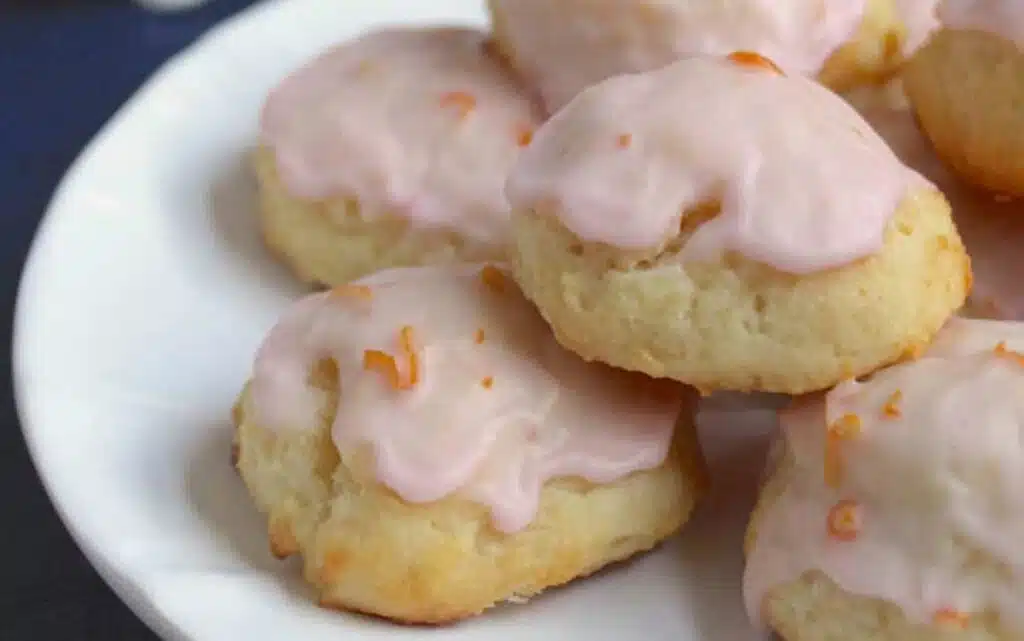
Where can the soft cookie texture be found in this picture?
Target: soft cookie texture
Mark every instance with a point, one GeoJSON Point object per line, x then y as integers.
{"type": "Point", "coordinates": [992, 228]}
{"type": "Point", "coordinates": [967, 87]}
{"type": "Point", "coordinates": [565, 46]}
{"type": "Point", "coordinates": [718, 223]}
{"type": "Point", "coordinates": [391, 150]}
{"type": "Point", "coordinates": [894, 508]}
{"type": "Point", "coordinates": [430, 451]}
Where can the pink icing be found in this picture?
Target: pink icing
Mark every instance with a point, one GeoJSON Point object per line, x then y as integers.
{"type": "Point", "coordinates": [1002, 17]}
{"type": "Point", "coordinates": [940, 487]}
{"type": "Point", "coordinates": [920, 18]}
{"type": "Point", "coordinates": [385, 120]}
{"type": "Point", "coordinates": [563, 50]}
{"type": "Point", "coordinates": [547, 414]}
{"type": "Point", "coordinates": [804, 183]}
{"type": "Point", "coordinates": [992, 230]}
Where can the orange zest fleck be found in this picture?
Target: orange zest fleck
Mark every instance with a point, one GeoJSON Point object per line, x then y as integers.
{"type": "Point", "coordinates": [751, 59]}
{"type": "Point", "coordinates": [487, 382]}
{"type": "Point", "coordinates": [1003, 351]}
{"type": "Point", "coordinates": [493, 278]}
{"type": "Point", "coordinates": [952, 618]}
{"type": "Point", "coordinates": [844, 521]}
{"type": "Point", "coordinates": [352, 291]}
{"type": "Point", "coordinates": [524, 136]}
{"type": "Point", "coordinates": [845, 429]}
{"type": "Point", "coordinates": [384, 364]}
{"type": "Point", "coordinates": [624, 141]}
{"type": "Point", "coordinates": [463, 101]}
{"type": "Point", "coordinates": [408, 340]}
{"type": "Point", "coordinates": [891, 409]}
{"type": "Point", "coordinates": [478, 338]}
{"type": "Point", "coordinates": [848, 427]}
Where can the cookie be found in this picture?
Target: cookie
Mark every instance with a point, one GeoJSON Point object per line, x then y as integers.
{"type": "Point", "coordinates": [391, 150]}
{"type": "Point", "coordinates": [967, 88]}
{"type": "Point", "coordinates": [430, 451]}
{"type": "Point", "coordinates": [722, 224]}
{"type": "Point", "coordinates": [894, 511]}
{"type": "Point", "coordinates": [563, 47]}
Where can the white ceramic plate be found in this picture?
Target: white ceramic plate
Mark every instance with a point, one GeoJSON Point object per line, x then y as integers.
{"type": "Point", "coordinates": [145, 296]}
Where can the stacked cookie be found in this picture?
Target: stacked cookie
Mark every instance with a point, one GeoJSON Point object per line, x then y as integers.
{"type": "Point", "coordinates": [542, 246]}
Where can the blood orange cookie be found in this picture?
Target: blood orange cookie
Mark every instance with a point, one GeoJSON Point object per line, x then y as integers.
{"type": "Point", "coordinates": [719, 223]}
{"type": "Point", "coordinates": [967, 87]}
{"type": "Point", "coordinates": [896, 508]}
{"type": "Point", "coordinates": [563, 47]}
{"type": "Point", "coordinates": [391, 150]}
{"type": "Point", "coordinates": [430, 450]}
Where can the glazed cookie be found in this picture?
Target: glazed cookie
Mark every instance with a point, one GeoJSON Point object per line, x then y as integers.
{"type": "Point", "coordinates": [721, 224]}
{"type": "Point", "coordinates": [391, 150]}
{"type": "Point", "coordinates": [895, 509]}
{"type": "Point", "coordinates": [430, 450]}
{"type": "Point", "coordinates": [992, 229]}
{"type": "Point", "coordinates": [565, 46]}
{"type": "Point", "coordinates": [967, 87]}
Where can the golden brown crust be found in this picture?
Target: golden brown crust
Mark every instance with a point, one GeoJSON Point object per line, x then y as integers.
{"type": "Point", "coordinates": [967, 88]}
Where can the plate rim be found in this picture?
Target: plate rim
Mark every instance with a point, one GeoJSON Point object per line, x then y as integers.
{"type": "Point", "coordinates": [28, 288]}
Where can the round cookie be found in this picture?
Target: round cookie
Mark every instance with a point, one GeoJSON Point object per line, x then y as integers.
{"type": "Point", "coordinates": [992, 229]}
{"type": "Point", "coordinates": [391, 150]}
{"type": "Point", "coordinates": [895, 509]}
{"type": "Point", "coordinates": [723, 225]}
{"type": "Point", "coordinates": [565, 46]}
{"type": "Point", "coordinates": [967, 87]}
{"type": "Point", "coordinates": [430, 450]}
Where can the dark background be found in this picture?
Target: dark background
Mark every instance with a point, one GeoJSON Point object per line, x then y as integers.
{"type": "Point", "coordinates": [64, 68]}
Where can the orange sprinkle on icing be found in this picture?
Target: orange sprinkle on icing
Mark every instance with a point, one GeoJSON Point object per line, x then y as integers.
{"type": "Point", "coordinates": [352, 291]}
{"type": "Point", "coordinates": [624, 141]}
{"type": "Point", "coordinates": [891, 409]}
{"type": "Point", "coordinates": [408, 340]}
{"type": "Point", "coordinates": [1003, 351]}
{"type": "Point", "coordinates": [487, 382]}
{"type": "Point", "coordinates": [844, 521]}
{"type": "Point", "coordinates": [524, 136]}
{"type": "Point", "coordinates": [952, 618]}
{"type": "Point", "coordinates": [833, 463]}
{"type": "Point", "coordinates": [383, 363]}
{"type": "Point", "coordinates": [845, 429]}
{"type": "Point", "coordinates": [751, 59]}
{"type": "Point", "coordinates": [493, 278]}
{"type": "Point", "coordinates": [463, 101]}
{"type": "Point", "coordinates": [478, 338]}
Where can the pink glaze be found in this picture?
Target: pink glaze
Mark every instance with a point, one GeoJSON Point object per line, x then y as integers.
{"type": "Point", "coordinates": [804, 183]}
{"type": "Point", "coordinates": [546, 413]}
{"type": "Point", "coordinates": [992, 230]}
{"type": "Point", "coordinates": [939, 485]}
{"type": "Point", "coordinates": [564, 49]}
{"type": "Point", "coordinates": [1002, 17]}
{"type": "Point", "coordinates": [920, 18]}
{"type": "Point", "coordinates": [418, 124]}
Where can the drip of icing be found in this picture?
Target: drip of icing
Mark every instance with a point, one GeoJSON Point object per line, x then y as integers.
{"type": "Point", "coordinates": [417, 124]}
{"type": "Point", "coordinates": [937, 475]}
{"type": "Point", "coordinates": [804, 183]}
{"type": "Point", "coordinates": [563, 50]}
{"type": "Point", "coordinates": [1004, 18]}
{"type": "Point", "coordinates": [498, 410]}
{"type": "Point", "coordinates": [992, 230]}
